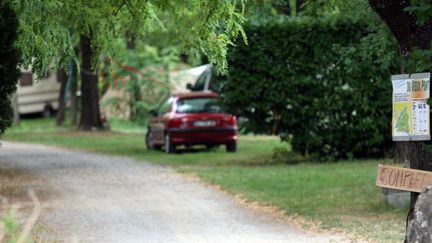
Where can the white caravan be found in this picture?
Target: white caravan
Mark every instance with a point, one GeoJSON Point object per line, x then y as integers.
{"type": "Point", "coordinates": [37, 95]}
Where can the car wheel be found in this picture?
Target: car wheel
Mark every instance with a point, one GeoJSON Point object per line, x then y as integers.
{"type": "Point", "coordinates": [169, 147]}
{"type": "Point", "coordinates": [231, 147]}
{"type": "Point", "coordinates": [149, 141]}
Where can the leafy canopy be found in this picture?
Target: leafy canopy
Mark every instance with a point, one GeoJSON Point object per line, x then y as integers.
{"type": "Point", "coordinates": [50, 29]}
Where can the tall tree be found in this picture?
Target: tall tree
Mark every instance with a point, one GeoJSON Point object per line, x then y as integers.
{"type": "Point", "coordinates": [411, 25]}
{"type": "Point", "coordinates": [202, 27]}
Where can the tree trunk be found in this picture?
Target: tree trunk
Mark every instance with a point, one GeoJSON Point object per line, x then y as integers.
{"type": "Point", "coordinates": [74, 104]}
{"type": "Point", "coordinates": [420, 157]}
{"type": "Point", "coordinates": [402, 153]}
{"type": "Point", "coordinates": [404, 25]}
{"type": "Point", "coordinates": [73, 86]}
{"type": "Point", "coordinates": [62, 78]}
{"type": "Point", "coordinates": [410, 34]}
{"type": "Point", "coordinates": [90, 112]}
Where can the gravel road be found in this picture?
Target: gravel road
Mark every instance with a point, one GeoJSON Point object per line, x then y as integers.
{"type": "Point", "coordinates": [88, 197]}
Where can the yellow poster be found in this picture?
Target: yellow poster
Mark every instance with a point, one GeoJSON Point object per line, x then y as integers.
{"type": "Point", "coordinates": [402, 113]}
{"type": "Point", "coordinates": [411, 116]}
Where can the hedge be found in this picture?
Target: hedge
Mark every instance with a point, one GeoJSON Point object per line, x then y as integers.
{"type": "Point", "coordinates": [322, 84]}
{"type": "Point", "coordinates": [9, 60]}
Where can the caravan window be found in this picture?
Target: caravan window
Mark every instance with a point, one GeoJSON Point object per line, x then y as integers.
{"type": "Point", "coordinates": [26, 79]}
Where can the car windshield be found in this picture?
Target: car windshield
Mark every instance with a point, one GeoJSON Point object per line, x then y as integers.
{"type": "Point", "coordinates": [198, 105]}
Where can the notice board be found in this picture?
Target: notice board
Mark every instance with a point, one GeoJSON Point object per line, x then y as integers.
{"type": "Point", "coordinates": [410, 116]}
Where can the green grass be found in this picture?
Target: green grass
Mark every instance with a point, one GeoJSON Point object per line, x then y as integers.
{"type": "Point", "coordinates": [338, 195]}
{"type": "Point", "coordinates": [39, 125]}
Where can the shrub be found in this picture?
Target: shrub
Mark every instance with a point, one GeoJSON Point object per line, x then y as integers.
{"type": "Point", "coordinates": [322, 84]}
{"type": "Point", "coordinates": [10, 56]}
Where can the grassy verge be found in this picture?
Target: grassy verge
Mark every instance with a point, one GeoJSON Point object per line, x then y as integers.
{"type": "Point", "coordinates": [338, 195]}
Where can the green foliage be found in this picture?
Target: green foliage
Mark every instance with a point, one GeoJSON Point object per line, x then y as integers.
{"type": "Point", "coordinates": [419, 61]}
{"type": "Point", "coordinates": [354, 9]}
{"type": "Point", "coordinates": [50, 29]}
{"type": "Point", "coordinates": [421, 8]}
{"type": "Point", "coordinates": [143, 75]}
{"type": "Point", "coordinates": [321, 84]}
{"type": "Point", "coordinates": [10, 58]}
{"type": "Point", "coordinates": [259, 10]}
{"type": "Point", "coordinates": [284, 155]}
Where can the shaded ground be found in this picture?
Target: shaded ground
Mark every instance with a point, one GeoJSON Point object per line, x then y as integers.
{"type": "Point", "coordinates": [92, 198]}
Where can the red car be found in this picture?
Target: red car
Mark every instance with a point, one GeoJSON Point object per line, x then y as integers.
{"type": "Point", "coordinates": [191, 119]}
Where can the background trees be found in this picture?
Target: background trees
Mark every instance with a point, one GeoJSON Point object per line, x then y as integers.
{"type": "Point", "coordinates": [142, 75]}
{"type": "Point", "coordinates": [9, 61]}
{"type": "Point", "coordinates": [50, 30]}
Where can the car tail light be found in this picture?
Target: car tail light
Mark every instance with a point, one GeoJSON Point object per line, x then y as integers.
{"type": "Point", "coordinates": [229, 121]}
{"type": "Point", "coordinates": [174, 123]}
{"type": "Point", "coordinates": [179, 123]}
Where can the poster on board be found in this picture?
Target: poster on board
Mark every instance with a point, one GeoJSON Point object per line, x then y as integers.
{"type": "Point", "coordinates": [410, 119]}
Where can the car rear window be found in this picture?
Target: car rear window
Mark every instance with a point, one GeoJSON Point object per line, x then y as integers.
{"type": "Point", "coordinates": [198, 105]}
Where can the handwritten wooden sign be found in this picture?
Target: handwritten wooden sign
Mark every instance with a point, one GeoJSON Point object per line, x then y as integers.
{"type": "Point", "coordinates": [402, 178]}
